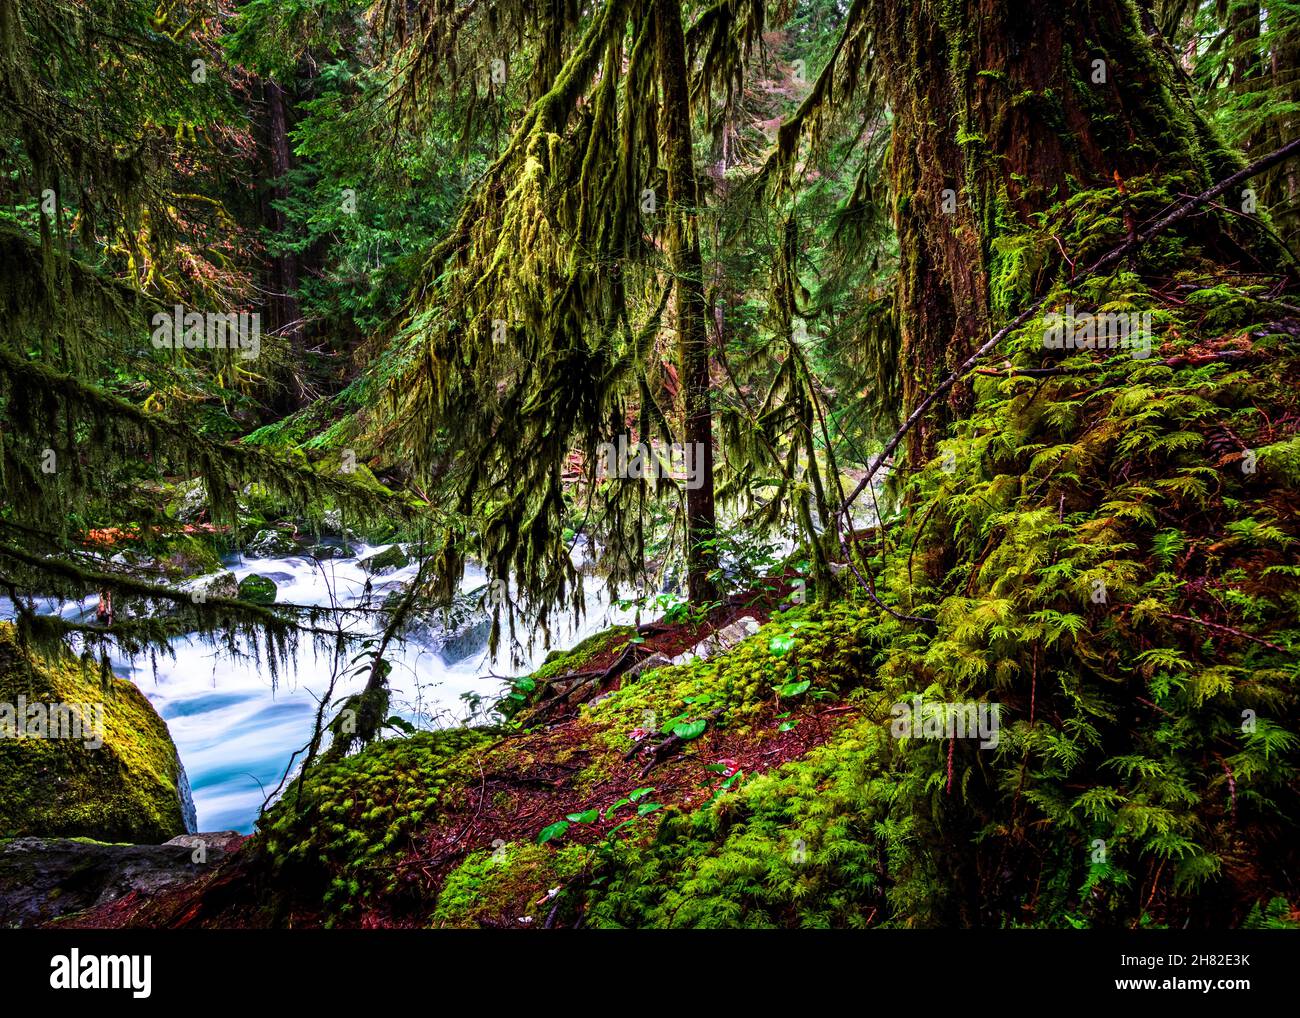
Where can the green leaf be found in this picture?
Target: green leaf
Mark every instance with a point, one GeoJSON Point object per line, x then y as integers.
{"type": "Point", "coordinates": [551, 831]}
{"type": "Point", "coordinates": [588, 817]}
{"type": "Point", "coordinates": [610, 811]}
{"type": "Point", "coordinates": [690, 729]}
{"type": "Point", "coordinates": [615, 830]}
{"type": "Point", "coordinates": [781, 644]}
{"type": "Point", "coordinates": [640, 793]}
{"type": "Point", "coordinates": [647, 808]}
{"type": "Point", "coordinates": [794, 688]}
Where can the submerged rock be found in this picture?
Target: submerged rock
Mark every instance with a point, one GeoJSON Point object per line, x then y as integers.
{"type": "Point", "coordinates": [330, 551]}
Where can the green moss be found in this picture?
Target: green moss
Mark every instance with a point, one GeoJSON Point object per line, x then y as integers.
{"type": "Point", "coordinates": [182, 556]}
{"type": "Point", "coordinates": [341, 837]}
{"type": "Point", "coordinates": [1129, 475]}
{"type": "Point", "coordinates": [558, 662]}
{"type": "Point", "coordinates": [801, 845]}
{"type": "Point", "coordinates": [257, 589]}
{"type": "Point", "coordinates": [821, 644]}
{"type": "Point", "coordinates": [504, 883]}
{"type": "Point", "coordinates": [124, 790]}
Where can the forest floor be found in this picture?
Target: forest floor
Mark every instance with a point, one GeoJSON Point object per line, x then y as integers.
{"type": "Point", "coordinates": [523, 780]}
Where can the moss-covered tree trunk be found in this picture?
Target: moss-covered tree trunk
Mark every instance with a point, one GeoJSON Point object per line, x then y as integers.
{"type": "Point", "coordinates": [1002, 109]}
{"type": "Point", "coordinates": [683, 238]}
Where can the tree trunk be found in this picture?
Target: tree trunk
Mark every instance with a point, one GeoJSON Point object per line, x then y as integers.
{"type": "Point", "coordinates": [284, 314]}
{"type": "Point", "coordinates": [683, 241]}
{"type": "Point", "coordinates": [1003, 108]}
{"type": "Point", "coordinates": [1280, 188]}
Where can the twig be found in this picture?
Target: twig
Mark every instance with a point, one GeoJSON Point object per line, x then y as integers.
{"type": "Point", "coordinates": [1106, 261]}
{"type": "Point", "coordinates": [1226, 629]}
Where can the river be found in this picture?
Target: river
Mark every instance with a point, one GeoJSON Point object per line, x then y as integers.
{"type": "Point", "coordinates": [236, 730]}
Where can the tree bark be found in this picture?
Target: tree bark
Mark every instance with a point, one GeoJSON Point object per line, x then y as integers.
{"type": "Point", "coordinates": [683, 242]}
{"type": "Point", "coordinates": [284, 313]}
{"type": "Point", "coordinates": [1001, 110]}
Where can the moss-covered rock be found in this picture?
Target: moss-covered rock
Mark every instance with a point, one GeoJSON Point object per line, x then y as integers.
{"type": "Point", "coordinates": [387, 561]}
{"type": "Point", "coordinates": [185, 555]}
{"type": "Point", "coordinates": [273, 542]}
{"type": "Point", "coordinates": [257, 589]}
{"type": "Point", "coordinates": [222, 584]}
{"type": "Point", "coordinates": [117, 781]}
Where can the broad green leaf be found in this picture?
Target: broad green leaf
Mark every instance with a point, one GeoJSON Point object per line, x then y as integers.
{"type": "Point", "coordinates": [781, 644]}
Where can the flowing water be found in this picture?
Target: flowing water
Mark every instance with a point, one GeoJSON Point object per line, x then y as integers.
{"type": "Point", "coordinates": [236, 730]}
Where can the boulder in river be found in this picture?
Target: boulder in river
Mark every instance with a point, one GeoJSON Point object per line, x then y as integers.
{"type": "Point", "coordinates": [387, 561]}
{"type": "Point", "coordinates": [222, 584]}
{"type": "Point", "coordinates": [257, 589]}
{"type": "Point", "coordinates": [272, 543]}
{"type": "Point", "coordinates": [81, 758]}
{"type": "Point", "coordinates": [454, 633]}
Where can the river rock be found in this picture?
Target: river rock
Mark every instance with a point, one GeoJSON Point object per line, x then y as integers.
{"type": "Point", "coordinates": [272, 543]}
{"type": "Point", "coordinates": [719, 640]}
{"type": "Point", "coordinates": [222, 584]}
{"type": "Point", "coordinates": [44, 878]}
{"type": "Point", "coordinates": [257, 589]}
{"type": "Point", "coordinates": [456, 632]}
{"type": "Point", "coordinates": [381, 563]}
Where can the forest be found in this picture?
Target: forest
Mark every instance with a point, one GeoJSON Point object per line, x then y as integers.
{"type": "Point", "coordinates": [552, 464]}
